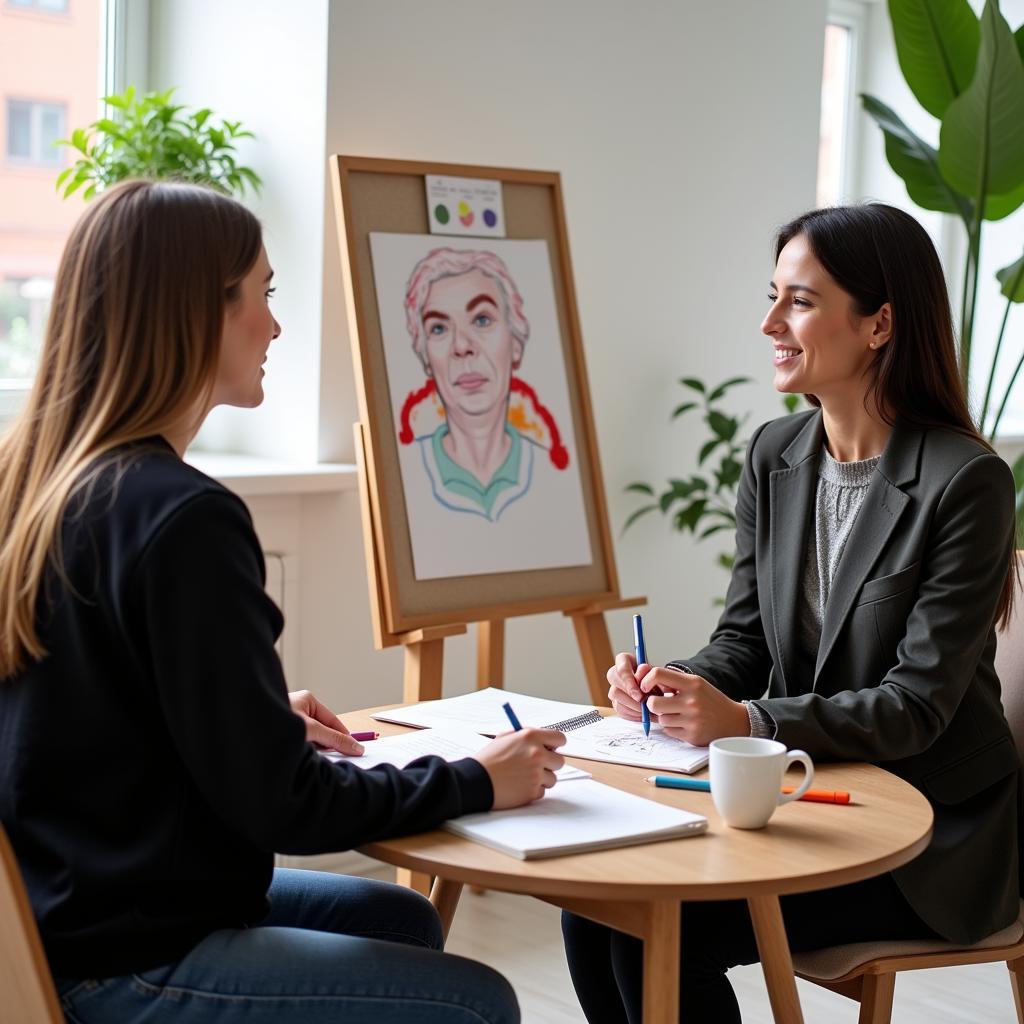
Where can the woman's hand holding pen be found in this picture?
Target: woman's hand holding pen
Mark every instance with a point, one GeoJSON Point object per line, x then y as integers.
{"type": "Point", "coordinates": [521, 765]}
{"type": "Point", "coordinates": [686, 706]}
{"type": "Point", "coordinates": [624, 687]}
{"type": "Point", "coordinates": [323, 726]}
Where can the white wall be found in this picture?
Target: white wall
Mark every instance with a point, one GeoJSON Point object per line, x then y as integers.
{"type": "Point", "coordinates": [264, 63]}
{"type": "Point", "coordinates": [685, 133]}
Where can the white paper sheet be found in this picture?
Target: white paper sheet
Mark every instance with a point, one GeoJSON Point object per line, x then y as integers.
{"type": "Point", "coordinates": [541, 521]}
{"type": "Point", "coordinates": [481, 711]}
{"type": "Point", "coordinates": [451, 744]}
{"type": "Point", "coordinates": [621, 742]}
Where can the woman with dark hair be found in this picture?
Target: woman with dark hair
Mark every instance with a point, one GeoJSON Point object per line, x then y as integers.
{"type": "Point", "coordinates": [151, 758]}
{"type": "Point", "coordinates": [874, 558]}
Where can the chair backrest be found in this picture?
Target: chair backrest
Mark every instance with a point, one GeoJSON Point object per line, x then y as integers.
{"type": "Point", "coordinates": [27, 994]}
{"type": "Point", "coordinates": [1010, 665]}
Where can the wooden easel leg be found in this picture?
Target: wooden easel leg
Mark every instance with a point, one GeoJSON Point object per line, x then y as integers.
{"type": "Point", "coordinates": [490, 654]}
{"type": "Point", "coordinates": [490, 671]}
{"type": "Point", "coordinates": [773, 948]}
{"type": "Point", "coordinates": [424, 662]}
{"type": "Point", "coordinates": [596, 652]}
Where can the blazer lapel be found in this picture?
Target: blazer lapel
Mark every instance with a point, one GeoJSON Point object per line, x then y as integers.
{"type": "Point", "coordinates": [791, 494]}
{"type": "Point", "coordinates": [883, 505]}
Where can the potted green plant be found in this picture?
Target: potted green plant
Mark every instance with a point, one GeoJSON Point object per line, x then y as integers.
{"type": "Point", "coordinates": [968, 72]}
{"type": "Point", "coordinates": [149, 136]}
{"type": "Point", "coordinates": [704, 503]}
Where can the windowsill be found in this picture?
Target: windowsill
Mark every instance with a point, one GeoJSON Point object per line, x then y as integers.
{"type": "Point", "coordinates": [252, 477]}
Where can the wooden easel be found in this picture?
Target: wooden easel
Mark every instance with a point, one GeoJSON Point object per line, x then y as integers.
{"type": "Point", "coordinates": [389, 197]}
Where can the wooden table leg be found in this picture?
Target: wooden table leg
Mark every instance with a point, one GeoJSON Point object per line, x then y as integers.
{"type": "Point", "coordinates": [661, 964]}
{"type": "Point", "coordinates": [773, 947]}
{"type": "Point", "coordinates": [414, 880]}
{"type": "Point", "coordinates": [445, 897]}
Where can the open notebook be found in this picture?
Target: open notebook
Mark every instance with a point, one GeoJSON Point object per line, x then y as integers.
{"type": "Point", "coordinates": [576, 818]}
{"type": "Point", "coordinates": [588, 734]}
{"type": "Point", "coordinates": [450, 743]}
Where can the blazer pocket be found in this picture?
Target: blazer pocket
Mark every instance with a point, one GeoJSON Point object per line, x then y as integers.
{"type": "Point", "coordinates": [887, 586]}
{"type": "Point", "coordinates": [972, 774]}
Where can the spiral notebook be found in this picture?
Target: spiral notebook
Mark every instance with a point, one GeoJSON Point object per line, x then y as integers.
{"type": "Point", "coordinates": [589, 734]}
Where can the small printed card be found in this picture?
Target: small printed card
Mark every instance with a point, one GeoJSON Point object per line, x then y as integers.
{"type": "Point", "coordinates": [465, 206]}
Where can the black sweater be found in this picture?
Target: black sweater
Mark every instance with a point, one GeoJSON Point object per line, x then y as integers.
{"type": "Point", "coordinates": [150, 764]}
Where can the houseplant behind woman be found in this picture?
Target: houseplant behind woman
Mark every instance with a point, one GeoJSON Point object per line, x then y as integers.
{"type": "Point", "coordinates": [874, 559]}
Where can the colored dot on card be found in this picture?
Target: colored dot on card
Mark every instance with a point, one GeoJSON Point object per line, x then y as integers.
{"type": "Point", "coordinates": [465, 214]}
{"type": "Point", "coordinates": [442, 214]}
{"type": "Point", "coordinates": [490, 218]}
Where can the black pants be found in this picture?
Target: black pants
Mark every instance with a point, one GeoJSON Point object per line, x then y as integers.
{"type": "Point", "coordinates": [607, 966]}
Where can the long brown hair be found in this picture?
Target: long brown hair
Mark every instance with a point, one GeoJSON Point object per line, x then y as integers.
{"type": "Point", "coordinates": [131, 347]}
{"type": "Point", "coordinates": [877, 254]}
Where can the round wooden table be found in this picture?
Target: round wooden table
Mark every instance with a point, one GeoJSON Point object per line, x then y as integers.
{"type": "Point", "coordinates": [637, 889]}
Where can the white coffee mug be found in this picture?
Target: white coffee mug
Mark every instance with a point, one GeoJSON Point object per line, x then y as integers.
{"type": "Point", "coordinates": [746, 778]}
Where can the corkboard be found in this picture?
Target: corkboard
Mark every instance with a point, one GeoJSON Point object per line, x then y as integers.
{"type": "Point", "coordinates": [389, 196]}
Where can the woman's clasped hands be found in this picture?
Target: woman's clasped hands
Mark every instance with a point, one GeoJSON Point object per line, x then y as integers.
{"type": "Point", "coordinates": [686, 706]}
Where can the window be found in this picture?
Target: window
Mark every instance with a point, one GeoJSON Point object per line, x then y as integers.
{"type": "Point", "coordinates": [51, 70]}
{"type": "Point", "coordinates": [50, 6]}
{"type": "Point", "coordinates": [838, 89]}
{"type": "Point", "coordinates": [33, 130]}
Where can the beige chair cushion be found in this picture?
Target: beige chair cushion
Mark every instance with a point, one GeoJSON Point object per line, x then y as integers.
{"type": "Point", "coordinates": [838, 961]}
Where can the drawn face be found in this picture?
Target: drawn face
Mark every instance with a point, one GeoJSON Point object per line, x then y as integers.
{"type": "Point", "coordinates": [470, 349]}
{"type": "Point", "coordinates": [820, 346]}
{"type": "Point", "coordinates": [249, 328]}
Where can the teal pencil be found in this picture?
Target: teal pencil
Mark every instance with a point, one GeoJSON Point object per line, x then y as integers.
{"type": "Point", "coordinates": [671, 782]}
{"type": "Point", "coordinates": [817, 796]}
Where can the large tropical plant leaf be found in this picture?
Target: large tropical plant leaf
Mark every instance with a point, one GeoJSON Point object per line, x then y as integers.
{"type": "Point", "coordinates": [981, 143]}
{"type": "Point", "coordinates": [937, 46]}
{"type": "Point", "coordinates": [998, 207]}
{"type": "Point", "coordinates": [1011, 280]}
{"type": "Point", "coordinates": [916, 163]}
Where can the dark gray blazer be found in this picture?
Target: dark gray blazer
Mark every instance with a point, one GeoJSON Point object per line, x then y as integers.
{"type": "Point", "coordinates": [904, 676]}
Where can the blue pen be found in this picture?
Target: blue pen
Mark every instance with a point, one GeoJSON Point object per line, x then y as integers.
{"type": "Point", "coordinates": [641, 658]}
{"type": "Point", "coordinates": [507, 708]}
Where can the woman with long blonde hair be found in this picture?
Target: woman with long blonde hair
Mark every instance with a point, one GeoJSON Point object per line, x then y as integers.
{"type": "Point", "coordinates": [151, 758]}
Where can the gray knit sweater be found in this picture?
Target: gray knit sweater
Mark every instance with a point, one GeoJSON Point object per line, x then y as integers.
{"type": "Point", "coordinates": [841, 490]}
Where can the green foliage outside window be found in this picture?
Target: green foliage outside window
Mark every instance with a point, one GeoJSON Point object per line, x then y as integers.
{"type": "Point", "coordinates": [148, 136]}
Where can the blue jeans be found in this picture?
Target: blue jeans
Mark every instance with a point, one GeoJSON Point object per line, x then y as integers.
{"type": "Point", "coordinates": [332, 949]}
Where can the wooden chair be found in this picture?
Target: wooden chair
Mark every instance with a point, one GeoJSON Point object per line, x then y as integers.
{"type": "Point", "coordinates": [27, 994]}
{"type": "Point", "coordinates": [866, 971]}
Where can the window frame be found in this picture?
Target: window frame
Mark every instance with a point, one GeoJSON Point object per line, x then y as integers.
{"type": "Point", "coordinates": [124, 56]}
{"type": "Point", "coordinates": [851, 15]}
{"type": "Point", "coordinates": [34, 7]}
